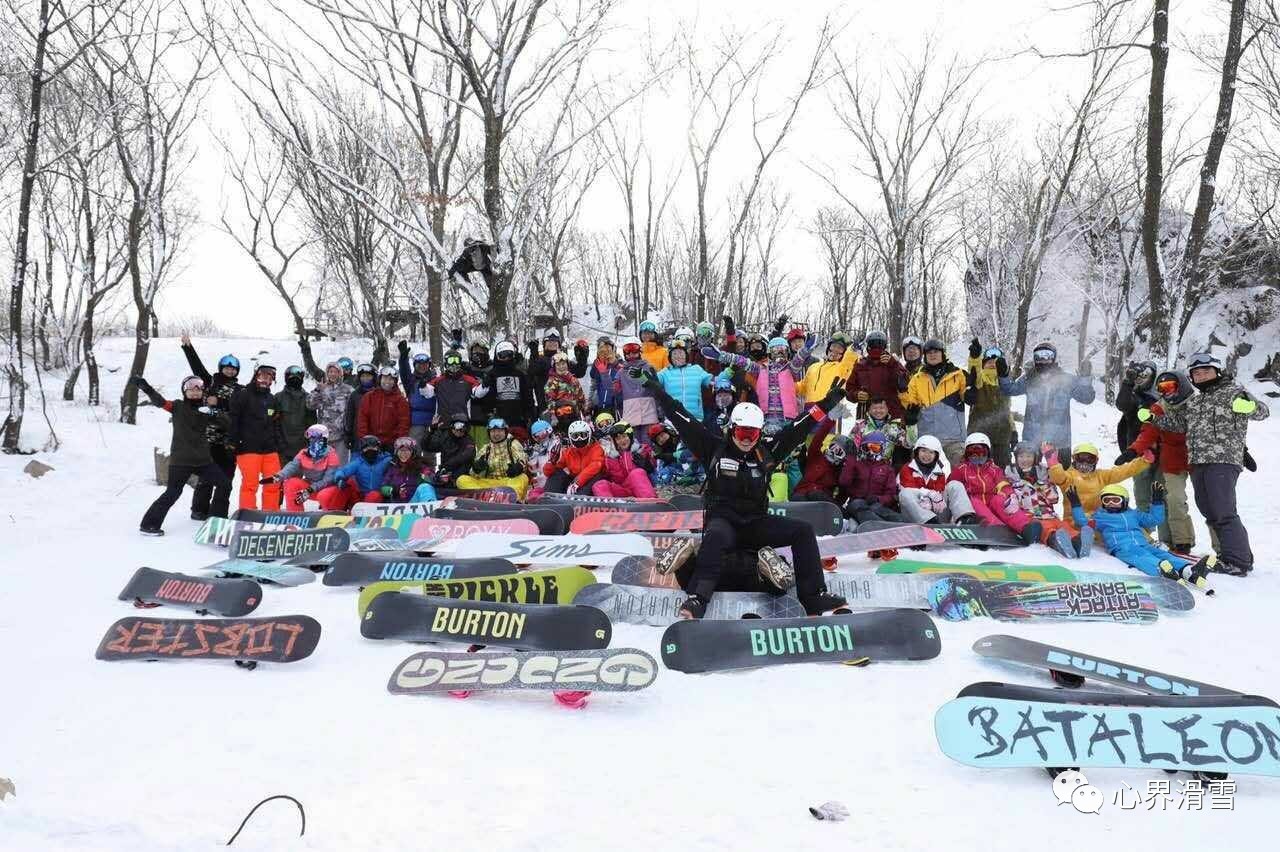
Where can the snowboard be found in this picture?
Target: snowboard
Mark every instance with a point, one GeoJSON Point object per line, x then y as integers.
{"type": "Point", "coordinates": [496, 494]}
{"type": "Point", "coordinates": [687, 502]}
{"type": "Point", "coordinates": [281, 575]}
{"type": "Point", "coordinates": [705, 646]}
{"type": "Point", "coordinates": [218, 531]}
{"type": "Point", "coordinates": [880, 591]}
{"type": "Point", "coordinates": [990, 571]}
{"type": "Point", "coordinates": [1054, 728]}
{"type": "Point", "coordinates": [535, 627]}
{"type": "Point", "coordinates": [228, 598]}
{"type": "Point", "coordinates": [908, 535]}
{"type": "Point", "coordinates": [276, 639]}
{"type": "Point", "coordinates": [962, 598]}
{"type": "Point", "coordinates": [635, 520]}
{"type": "Point", "coordinates": [556, 586]}
{"type": "Point", "coordinates": [373, 510]}
{"type": "Point", "coordinates": [659, 607]}
{"type": "Point", "coordinates": [971, 534]}
{"type": "Point", "coordinates": [595, 550]}
{"type": "Point", "coordinates": [600, 670]}
{"type": "Point", "coordinates": [446, 529]}
{"type": "Point", "coordinates": [402, 524]}
{"type": "Point", "coordinates": [824, 517]}
{"type": "Point", "coordinates": [641, 571]}
{"type": "Point", "coordinates": [583, 503]}
{"type": "Point", "coordinates": [360, 569]}
{"type": "Point", "coordinates": [1126, 675]}
{"type": "Point", "coordinates": [1169, 595]}
{"type": "Point", "coordinates": [549, 520]}
{"type": "Point", "coordinates": [273, 545]}
{"type": "Point", "coordinates": [301, 520]}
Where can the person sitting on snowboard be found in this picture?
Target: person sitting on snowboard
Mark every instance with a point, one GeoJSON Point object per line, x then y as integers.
{"type": "Point", "coordinates": [869, 481]}
{"type": "Point", "coordinates": [456, 448]}
{"type": "Point", "coordinates": [1122, 529]}
{"type": "Point", "coordinates": [822, 465]}
{"type": "Point", "coordinates": [579, 466]}
{"type": "Point", "coordinates": [544, 445]}
{"type": "Point", "coordinates": [1084, 476]}
{"type": "Point", "coordinates": [925, 495]}
{"type": "Point", "coordinates": [993, 498]}
{"type": "Point", "coordinates": [627, 469]}
{"type": "Point", "coordinates": [499, 463]}
{"type": "Point", "coordinates": [406, 475]}
{"type": "Point", "coordinates": [310, 471]}
{"type": "Point", "coordinates": [736, 501]}
{"type": "Point", "coordinates": [1038, 497]}
{"type": "Point", "coordinates": [359, 479]}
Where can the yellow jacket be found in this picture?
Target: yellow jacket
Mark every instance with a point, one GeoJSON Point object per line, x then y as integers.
{"type": "Point", "coordinates": [820, 376]}
{"type": "Point", "coordinates": [1088, 485]}
{"type": "Point", "coordinates": [655, 353]}
{"type": "Point", "coordinates": [940, 403]}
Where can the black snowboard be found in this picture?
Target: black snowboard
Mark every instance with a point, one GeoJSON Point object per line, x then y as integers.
{"type": "Point", "coordinates": [687, 502]}
{"type": "Point", "coordinates": [360, 569]}
{"type": "Point", "coordinates": [1085, 666]}
{"type": "Point", "coordinates": [549, 520]}
{"type": "Point", "coordinates": [824, 517]}
{"type": "Point", "coordinates": [272, 545]}
{"type": "Point", "coordinates": [962, 534]}
{"type": "Point", "coordinates": [225, 597]}
{"type": "Point", "coordinates": [277, 639]}
{"type": "Point", "coordinates": [581, 505]}
{"type": "Point", "coordinates": [303, 520]}
{"type": "Point", "coordinates": [1019, 692]}
{"type": "Point", "coordinates": [891, 634]}
{"type": "Point", "coordinates": [538, 627]}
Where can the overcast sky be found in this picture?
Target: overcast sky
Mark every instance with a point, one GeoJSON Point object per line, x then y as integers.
{"type": "Point", "coordinates": [220, 283]}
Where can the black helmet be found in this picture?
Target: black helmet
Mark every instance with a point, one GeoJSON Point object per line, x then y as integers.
{"type": "Point", "coordinates": [933, 344]}
{"type": "Point", "coordinates": [370, 442]}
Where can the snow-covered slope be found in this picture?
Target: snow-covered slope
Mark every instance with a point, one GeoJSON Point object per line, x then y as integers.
{"type": "Point", "coordinates": [144, 756]}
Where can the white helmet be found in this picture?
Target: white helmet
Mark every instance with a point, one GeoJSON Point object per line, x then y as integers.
{"type": "Point", "coordinates": [317, 430]}
{"type": "Point", "coordinates": [747, 414]}
{"type": "Point", "coordinates": [928, 442]}
{"type": "Point", "coordinates": [579, 430]}
{"type": "Point", "coordinates": [684, 331]}
{"type": "Point", "coordinates": [505, 347]}
{"type": "Point", "coordinates": [978, 438]}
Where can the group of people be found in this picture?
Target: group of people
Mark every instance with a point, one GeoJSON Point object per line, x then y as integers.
{"type": "Point", "coordinates": [744, 418]}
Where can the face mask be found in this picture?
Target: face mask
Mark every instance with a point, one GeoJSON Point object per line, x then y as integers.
{"type": "Point", "coordinates": [369, 455]}
{"type": "Point", "coordinates": [318, 448]}
{"type": "Point", "coordinates": [293, 382]}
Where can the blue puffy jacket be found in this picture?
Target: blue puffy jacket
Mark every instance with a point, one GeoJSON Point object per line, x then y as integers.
{"type": "Point", "coordinates": [685, 384]}
{"type": "Point", "coordinates": [367, 475]}
{"type": "Point", "coordinates": [602, 381]}
{"type": "Point", "coordinates": [1122, 531]}
{"type": "Point", "coordinates": [421, 409]}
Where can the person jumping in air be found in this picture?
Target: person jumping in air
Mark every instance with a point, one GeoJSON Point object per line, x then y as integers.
{"type": "Point", "coordinates": [193, 420]}
{"type": "Point", "coordinates": [1122, 531]}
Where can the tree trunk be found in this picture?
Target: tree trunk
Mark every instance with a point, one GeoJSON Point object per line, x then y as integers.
{"type": "Point", "coordinates": [1081, 346]}
{"type": "Point", "coordinates": [141, 348]}
{"type": "Point", "coordinates": [17, 386]}
{"type": "Point", "coordinates": [898, 290]}
{"type": "Point", "coordinates": [69, 386]}
{"type": "Point", "coordinates": [1158, 303]}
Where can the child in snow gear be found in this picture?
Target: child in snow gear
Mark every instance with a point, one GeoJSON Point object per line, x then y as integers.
{"type": "Point", "coordinates": [636, 402]}
{"type": "Point", "coordinates": [329, 401]}
{"type": "Point", "coordinates": [219, 388]}
{"type": "Point", "coordinates": [384, 411]}
{"type": "Point", "coordinates": [1049, 391]}
{"type": "Point", "coordinates": [683, 380]}
{"type": "Point", "coordinates": [510, 390]}
{"type": "Point", "coordinates": [993, 498]}
{"type": "Point", "coordinates": [406, 474]}
{"type": "Point", "coordinates": [413, 377]}
{"type": "Point", "coordinates": [627, 469]}
{"type": "Point", "coordinates": [1084, 475]}
{"type": "Point", "coordinates": [840, 360]}
{"type": "Point", "coordinates": [579, 466]}
{"type": "Point", "coordinates": [456, 448]}
{"type": "Point", "coordinates": [925, 495]}
{"type": "Point", "coordinates": [1137, 392]}
{"type": "Point", "coordinates": [776, 377]}
{"type": "Point", "coordinates": [1216, 421]}
{"type": "Point", "coordinates": [877, 419]}
{"type": "Point", "coordinates": [1122, 528]}
{"type": "Point", "coordinates": [934, 400]}
{"type": "Point", "coordinates": [822, 465]}
{"type": "Point", "coordinates": [651, 347]}
{"type": "Point", "coordinates": [869, 482]}
{"type": "Point", "coordinates": [295, 413]}
{"type": "Point", "coordinates": [544, 446]}
{"type": "Point", "coordinates": [736, 499]}
{"type": "Point", "coordinates": [879, 375]}
{"type": "Point", "coordinates": [1160, 433]}
{"type": "Point", "coordinates": [359, 479]}
{"type": "Point", "coordinates": [723, 398]}
{"type": "Point", "coordinates": [500, 463]}
{"type": "Point", "coordinates": [1038, 497]}
{"type": "Point", "coordinates": [311, 469]}
{"type": "Point", "coordinates": [563, 388]}
{"type": "Point", "coordinates": [988, 407]}
{"type": "Point", "coordinates": [188, 448]}
{"type": "Point", "coordinates": [256, 435]}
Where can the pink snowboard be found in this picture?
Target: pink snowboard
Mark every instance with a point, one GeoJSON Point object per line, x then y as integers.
{"type": "Point", "coordinates": [449, 530]}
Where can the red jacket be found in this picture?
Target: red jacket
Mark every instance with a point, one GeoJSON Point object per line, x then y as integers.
{"type": "Point", "coordinates": [384, 414]}
{"type": "Point", "coordinates": [910, 477]}
{"type": "Point", "coordinates": [583, 462]}
{"type": "Point", "coordinates": [862, 479]}
{"type": "Point", "coordinates": [981, 482]}
{"type": "Point", "coordinates": [819, 474]}
{"type": "Point", "coordinates": [878, 380]}
{"type": "Point", "coordinates": [1170, 446]}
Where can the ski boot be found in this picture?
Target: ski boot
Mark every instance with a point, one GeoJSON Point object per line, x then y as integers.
{"type": "Point", "coordinates": [693, 608]}
{"type": "Point", "coordinates": [775, 572]}
{"type": "Point", "coordinates": [1031, 533]}
{"type": "Point", "coordinates": [822, 602]}
{"type": "Point", "coordinates": [675, 556]}
{"type": "Point", "coordinates": [1083, 543]}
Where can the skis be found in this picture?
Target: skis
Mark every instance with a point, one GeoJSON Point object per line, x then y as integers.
{"type": "Point", "coordinates": [997, 726]}
{"type": "Point", "coordinates": [962, 598]}
{"type": "Point", "coordinates": [278, 639]}
{"type": "Point", "coordinates": [281, 575]}
{"type": "Point", "coordinates": [986, 571]}
{"type": "Point", "coordinates": [659, 607]}
{"type": "Point", "coordinates": [1077, 664]}
{"type": "Point", "coordinates": [603, 670]}
{"type": "Point", "coordinates": [557, 586]}
{"type": "Point", "coordinates": [279, 545]}
{"type": "Point", "coordinates": [361, 569]}
{"type": "Point", "coordinates": [418, 618]}
{"type": "Point", "coordinates": [970, 534]}
{"type": "Point", "coordinates": [229, 598]}
{"type": "Point", "coordinates": [635, 521]}
{"type": "Point", "coordinates": [445, 529]}
{"type": "Point", "coordinates": [704, 646]}
{"type": "Point", "coordinates": [596, 550]}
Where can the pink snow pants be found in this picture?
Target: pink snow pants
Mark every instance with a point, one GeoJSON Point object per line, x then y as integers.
{"type": "Point", "coordinates": [636, 484]}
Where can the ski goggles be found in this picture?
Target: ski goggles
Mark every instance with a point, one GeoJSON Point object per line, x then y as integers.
{"type": "Point", "coordinates": [873, 448]}
{"type": "Point", "coordinates": [1043, 355]}
{"type": "Point", "coordinates": [1204, 359]}
{"type": "Point", "coordinates": [1167, 388]}
{"type": "Point", "coordinates": [746, 434]}
{"type": "Point", "coordinates": [1112, 500]}
{"type": "Point", "coordinates": [193, 383]}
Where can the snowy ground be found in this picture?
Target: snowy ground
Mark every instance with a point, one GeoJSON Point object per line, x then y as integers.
{"type": "Point", "coordinates": [144, 756]}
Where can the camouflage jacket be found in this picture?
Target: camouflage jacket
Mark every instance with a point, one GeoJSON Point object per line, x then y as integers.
{"type": "Point", "coordinates": [1215, 433]}
{"type": "Point", "coordinates": [329, 401]}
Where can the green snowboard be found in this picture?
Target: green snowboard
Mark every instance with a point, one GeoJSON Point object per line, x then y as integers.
{"type": "Point", "coordinates": [553, 586]}
{"type": "Point", "coordinates": [998, 571]}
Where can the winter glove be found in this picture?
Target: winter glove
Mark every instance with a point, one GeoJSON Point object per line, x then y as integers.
{"type": "Point", "coordinates": [143, 384]}
{"type": "Point", "coordinates": [810, 340]}
{"type": "Point", "coordinates": [1125, 457]}
{"type": "Point", "coordinates": [1157, 492]}
{"type": "Point", "coordinates": [1148, 456]}
{"type": "Point", "coordinates": [572, 489]}
{"type": "Point", "coordinates": [1072, 497]}
{"type": "Point", "coordinates": [1002, 368]}
{"type": "Point", "coordinates": [1144, 414]}
{"type": "Point", "coordinates": [862, 396]}
{"type": "Point", "coordinates": [1130, 372]}
{"type": "Point", "coordinates": [267, 480]}
{"type": "Point", "coordinates": [515, 469]}
{"type": "Point", "coordinates": [480, 466]}
{"type": "Point", "coordinates": [728, 325]}
{"type": "Point", "coordinates": [780, 325]}
{"type": "Point", "coordinates": [580, 348]}
{"type": "Point", "coordinates": [834, 397]}
{"type": "Point", "coordinates": [711, 353]}
{"type": "Point", "coordinates": [644, 376]}
{"type": "Point", "coordinates": [912, 415]}
{"type": "Point", "coordinates": [532, 346]}
{"type": "Point", "coordinates": [1249, 464]}
{"type": "Point", "coordinates": [1049, 453]}
{"type": "Point", "coordinates": [975, 348]}
{"type": "Point", "coordinates": [456, 335]}
{"type": "Point", "coordinates": [403, 347]}
{"type": "Point", "coordinates": [1243, 405]}
{"type": "Point", "coordinates": [386, 491]}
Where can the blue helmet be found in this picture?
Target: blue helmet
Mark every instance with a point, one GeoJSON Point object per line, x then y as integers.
{"type": "Point", "coordinates": [229, 361]}
{"type": "Point", "coordinates": [497, 423]}
{"type": "Point", "coordinates": [992, 352]}
{"type": "Point", "coordinates": [779, 343]}
{"type": "Point", "coordinates": [648, 325]}
{"type": "Point", "coordinates": [345, 363]}
{"type": "Point", "coordinates": [722, 382]}
{"type": "Point", "coordinates": [539, 427]}
{"type": "Point", "coordinates": [422, 358]}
